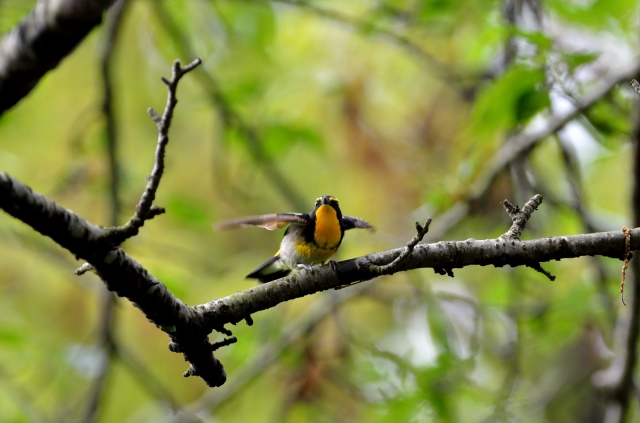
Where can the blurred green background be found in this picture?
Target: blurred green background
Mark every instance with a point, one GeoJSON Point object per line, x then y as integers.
{"type": "Point", "coordinates": [395, 107]}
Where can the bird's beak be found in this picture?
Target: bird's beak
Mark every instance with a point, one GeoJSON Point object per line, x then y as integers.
{"type": "Point", "coordinates": [325, 200]}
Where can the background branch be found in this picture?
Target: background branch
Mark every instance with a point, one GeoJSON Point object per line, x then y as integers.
{"type": "Point", "coordinates": [40, 41]}
{"type": "Point", "coordinates": [107, 300]}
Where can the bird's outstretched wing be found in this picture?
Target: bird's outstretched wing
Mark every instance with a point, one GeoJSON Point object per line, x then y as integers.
{"type": "Point", "coordinates": [267, 221]}
{"type": "Point", "coordinates": [356, 223]}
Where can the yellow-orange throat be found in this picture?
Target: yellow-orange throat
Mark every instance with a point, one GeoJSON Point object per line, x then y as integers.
{"type": "Point", "coordinates": [327, 233]}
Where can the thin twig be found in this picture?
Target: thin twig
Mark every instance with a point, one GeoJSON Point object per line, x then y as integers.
{"type": "Point", "coordinates": [421, 232]}
{"type": "Point", "coordinates": [520, 217]}
{"type": "Point", "coordinates": [230, 117]}
{"type": "Point", "coordinates": [538, 268]}
{"type": "Point", "coordinates": [145, 209]}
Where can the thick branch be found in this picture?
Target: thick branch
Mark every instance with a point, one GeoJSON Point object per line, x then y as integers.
{"type": "Point", "coordinates": [189, 327]}
{"type": "Point", "coordinates": [441, 255]}
{"type": "Point", "coordinates": [40, 41]}
{"type": "Point", "coordinates": [120, 273]}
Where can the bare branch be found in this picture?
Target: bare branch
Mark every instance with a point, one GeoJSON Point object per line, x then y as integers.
{"type": "Point", "coordinates": [40, 41]}
{"type": "Point", "coordinates": [145, 209]}
{"type": "Point", "coordinates": [231, 118]}
{"type": "Point", "coordinates": [442, 255]}
{"type": "Point", "coordinates": [421, 232]}
{"type": "Point", "coordinates": [107, 320]}
{"type": "Point", "coordinates": [189, 327]}
{"type": "Point", "coordinates": [520, 216]}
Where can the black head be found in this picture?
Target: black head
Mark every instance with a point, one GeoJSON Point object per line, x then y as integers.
{"type": "Point", "coordinates": [329, 201]}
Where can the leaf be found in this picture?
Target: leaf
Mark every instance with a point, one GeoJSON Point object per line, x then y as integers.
{"type": "Point", "coordinates": [512, 99]}
{"type": "Point", "coordinates": [608, 119]}
{"type": "Point", "coordinates": [598, 14]}
{"type": "Point", "coordinates": [577, 59]}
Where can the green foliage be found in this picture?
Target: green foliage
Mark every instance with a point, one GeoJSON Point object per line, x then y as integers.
{"type": "Point", "coordinates": [278, 139]}
{"type": "Point", "coordinates": [395, 107]}
{"type": "Point", "coordinates": [513, 99]}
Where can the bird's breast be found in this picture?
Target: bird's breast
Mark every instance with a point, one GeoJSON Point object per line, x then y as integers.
{"type": "Point", "coordinates": [327, 233]}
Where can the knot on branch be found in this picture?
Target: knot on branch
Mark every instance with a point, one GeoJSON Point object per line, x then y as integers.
{"type": "Point", "coordinates": [519, 217]}
{"type": "Point", "coordinates": [198, 351]}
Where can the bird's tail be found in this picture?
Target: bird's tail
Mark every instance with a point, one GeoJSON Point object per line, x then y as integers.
{"type": "Point", "coordinates": [270, 270]}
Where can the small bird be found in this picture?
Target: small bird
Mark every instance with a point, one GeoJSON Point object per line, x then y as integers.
{"type": "Point", "coordinates": [311, 238]}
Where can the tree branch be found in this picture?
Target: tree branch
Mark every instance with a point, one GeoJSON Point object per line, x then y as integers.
{"type": "Point", "coordinates": [230, 117]}
{"type": "Point", "coordinates": [40, 41]}
{"type": "Point", "coordinates": [522, 142]}
{"type": "Point", "coordinates": [616, 382]}
{"type": "Point", "coordinates": [189, 327]}
{"type": "Point", "coordinates": [145, 210]}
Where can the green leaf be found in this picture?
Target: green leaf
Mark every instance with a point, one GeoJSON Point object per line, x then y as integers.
{"type": "Point", "coordinates": [599, 14]}
{"type": "Point", "coordinates": [577, 59]}
{"type": "Point", "coordinates": [608, 119]}
{"type": "Point", "coordinates": [536, 37]}
{"type": "Point", "coordinates": [512, 99]}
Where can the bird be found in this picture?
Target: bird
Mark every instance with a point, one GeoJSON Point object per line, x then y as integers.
{"type": "Point", "coordinates": [311, 238]}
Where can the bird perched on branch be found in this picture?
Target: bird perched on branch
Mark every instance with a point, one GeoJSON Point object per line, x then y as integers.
{"type": "Point", "coordinates": [311, 238]}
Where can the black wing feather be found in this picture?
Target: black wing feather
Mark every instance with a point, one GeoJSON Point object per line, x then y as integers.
{"type": "Point", "coordinates": [355, 223]}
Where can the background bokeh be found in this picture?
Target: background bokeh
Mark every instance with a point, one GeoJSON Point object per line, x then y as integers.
{"type": "Point", "coordinates": [393, 106]}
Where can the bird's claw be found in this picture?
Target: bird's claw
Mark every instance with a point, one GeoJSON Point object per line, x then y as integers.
{"type": "Point", "coordinates": [304, 266]}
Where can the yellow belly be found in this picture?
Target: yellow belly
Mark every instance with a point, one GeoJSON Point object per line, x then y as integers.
{"type": "Point", "coordinates": [327, 232]}
{"type": "Point", "coordinates": [312, 254]}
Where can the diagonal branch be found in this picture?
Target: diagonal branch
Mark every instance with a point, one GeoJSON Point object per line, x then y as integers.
{"type": "Point", "coordinates": [522, 142]}
{"type": "Point", "coordinates": [40, 41]}
{"type": "Point", "coordinates": [441, 69]}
